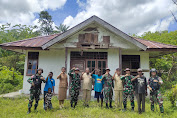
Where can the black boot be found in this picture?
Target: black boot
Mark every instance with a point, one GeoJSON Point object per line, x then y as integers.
{"type": "Point", "coordinates": [125, 108]}
{"type": "Point", "coordinates": [71, 105]}
{"type": "Point", "coordinates": [29, 110]}
{"type": "Point", "coordinates": [132, 109]}
{"type": "Point", "coordinates": [75, 104]}
{"type": "Point", "coordinates": [110, 105]}
{"type": "Point", "coordinates": [35, 108]}
{"type": "Point", "coordinates": [107, 106]}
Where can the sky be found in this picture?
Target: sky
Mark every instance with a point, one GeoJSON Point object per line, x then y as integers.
{"type": "Point", "coordinates": [130, 16]}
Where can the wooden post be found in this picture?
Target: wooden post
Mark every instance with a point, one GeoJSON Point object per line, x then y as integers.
{"type": "Point", "coordinates": [120, 59]}
{"type": "Point", "coordinates": [66, 57]}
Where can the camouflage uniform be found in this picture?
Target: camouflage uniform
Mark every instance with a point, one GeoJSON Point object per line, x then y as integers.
{"type": "Point", "coordinates": [75, 86]}
{"type": "Point", "coordinates": [128, 91]}
{"type": "Point", "coordinates": [155, 94]}
{"type": "Point", "coordinates": [108, 85]}
{"type": "Point", "coordinates": [35, 90]}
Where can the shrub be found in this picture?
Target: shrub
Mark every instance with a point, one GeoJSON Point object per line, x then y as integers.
{"type": "Point", "coordinates": [172, 95]}
{"type": "Point", "coordinates": [10, 80]}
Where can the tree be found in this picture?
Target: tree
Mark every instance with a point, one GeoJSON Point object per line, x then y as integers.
{"type": "Point", "coordinates": [46, 22]}
{"type": "Point", "coordinates": [62, 28]}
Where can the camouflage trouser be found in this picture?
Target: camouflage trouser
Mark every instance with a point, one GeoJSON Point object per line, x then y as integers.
{"type": "Point", "coordinates": [108, 93]}
{"type": "Point", "coordinates": [129, 93]}
{"type": "Point", "coordinates": [156, 96]}
{"type": "Point", "coordinates": [74, 95]}
{"type": "Point", "coordinates": [34, 94]}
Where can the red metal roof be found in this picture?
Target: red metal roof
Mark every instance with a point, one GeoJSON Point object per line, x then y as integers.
{"type": "Point", "coordinates": [38, 42]}
{"type": "Point", "coordinates": [155, 45]}
{"type": "Point", "coordinates": [32, 42]}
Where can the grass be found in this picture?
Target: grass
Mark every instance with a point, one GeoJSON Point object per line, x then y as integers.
{"type": "Point", "coordinates": [17, 108]}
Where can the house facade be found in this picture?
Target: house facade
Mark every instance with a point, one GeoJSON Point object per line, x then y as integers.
{"type": "Point", "coordinates": [93, 43]}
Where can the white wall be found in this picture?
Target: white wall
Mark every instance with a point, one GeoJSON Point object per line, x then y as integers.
{"type": "Point", "coordinates": [51, 60]}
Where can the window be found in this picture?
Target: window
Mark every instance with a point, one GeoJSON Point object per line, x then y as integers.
{"type": "Point", "coordinates": [132, 62]}
{"type": "Point", "coordinates": [32, 64]}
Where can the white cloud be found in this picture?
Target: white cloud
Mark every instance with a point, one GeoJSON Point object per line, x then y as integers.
{"type": "Point", "coordinates": [129, 16]}
{"type": "Point", "coordinates": [22, 11]}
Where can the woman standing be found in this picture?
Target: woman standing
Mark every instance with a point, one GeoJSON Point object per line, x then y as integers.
{"type": "Point", "coordinates": [63, 85]}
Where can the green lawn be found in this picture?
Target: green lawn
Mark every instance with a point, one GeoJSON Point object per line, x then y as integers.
{"type": "Point", "coordinates": [17, 108]}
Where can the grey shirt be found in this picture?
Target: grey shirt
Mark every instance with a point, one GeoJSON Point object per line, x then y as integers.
{"type": "Point", "coordinates": [141, 85]}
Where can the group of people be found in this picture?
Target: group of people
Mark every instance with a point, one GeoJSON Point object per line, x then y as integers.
{"type": "Point", "coordinates": [123, 86]}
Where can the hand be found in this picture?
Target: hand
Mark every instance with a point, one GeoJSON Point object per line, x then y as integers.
{"type": "Point", "coordinates": [33, 84]}
{"type": "Point", "coordinates": [42, 78]}
{"type": "Point", "coordinates": [155, 80]}
{"type": "Point", "coordinates": [101, 91]}
{"type": "Point", "coordinates": [150, 89]}
{"type": "Point", "coordinates": [126, 75]}
{"type": "Point", "coordinates": [82, 73]}
{"type": "Point", "coordinates": [73, 68]}
{"type": "Point", "coordinates": [138, 76]}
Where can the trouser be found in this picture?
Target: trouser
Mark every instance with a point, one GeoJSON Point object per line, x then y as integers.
{"type": "Point", "coordinates": [156, 95]}
{"type": "Point", "coordinates": [48, 105]}
{"type": "Point", "coordinates": [129, 93]}
{"type": "Point", "coordinates": [86, 96]}
{"type": "Point", "coordinates": [34, 94]}
{"type": "Point", "coordinates": [118, 97]}
{"type": "Point", "coordinates": [141, 101]}
{"type": "Point", "coordinates": [74, 95]}
{"type": "Point", "coordinates": [108, 93]}
{"type": "Point", "coordinates": [45, 92]}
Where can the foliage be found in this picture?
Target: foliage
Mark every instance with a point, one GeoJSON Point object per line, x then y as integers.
{"type": "Point", "coordinates": [10, 80]}
{"type": "Point", "coordinates": [172, 95]}
{"type": "Point", "coordinates": [62, 28]}
{"type": "Point", "coordinates": [45, 20]}
{"type": "Point", "coordinates": [17, 108]}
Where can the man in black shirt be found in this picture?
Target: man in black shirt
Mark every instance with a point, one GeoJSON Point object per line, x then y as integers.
{"type": "Point", "coordinates": [35, 90]}
{"type": "Point", "coordinates": [141, 90]}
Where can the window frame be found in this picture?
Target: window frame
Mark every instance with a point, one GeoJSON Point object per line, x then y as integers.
{"type": "Point", "coordinates": [32, 64]}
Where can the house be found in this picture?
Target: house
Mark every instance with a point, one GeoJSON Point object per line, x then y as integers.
{"type": "Point", "coordinates": [93, 43]}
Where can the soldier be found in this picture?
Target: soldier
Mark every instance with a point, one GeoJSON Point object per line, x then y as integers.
{"type": "Point", "coordinates": [154, 83]}
{"type": "Point", "coordinates": [107, 87]}
{"type": "Point", "coordinates": [75, 85]}
{"type": "Point", "coordinates": [87, 86]}
{"type": "Point", "coordinates": [141, 90]}
{"type": "Point", "coordinates": [128, 89]}
{"type": "Point", "coordinates": [35, 90]}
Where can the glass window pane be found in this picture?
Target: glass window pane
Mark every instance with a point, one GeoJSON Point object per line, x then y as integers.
{"type": "Point", "coordinates": [89, 64]}
{"type": "Point", "coordinates": [34, 64]}
{"type": "Point", "coordinates": [104, 64]}
{"type": "Point", "coordinates": [29, 71]}
{"type": "Point", "coordinates": [99, 64]}
{"type": "Point", "coordinates": [33, 72]}
{"type": "Point", "coordinates": [93, 63]}
{"type": "Point", "coordinates": [29, 66]}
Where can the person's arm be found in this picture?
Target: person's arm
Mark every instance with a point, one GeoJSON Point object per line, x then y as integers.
{"type": "Point", "coordinates": [145, 86]}
{"type": "Point", "coordinates": [82, 76]}
{"type": "Point", "coordinates": [149, 85]}
{"type": "Point", "coordinates": [59, 76]}
{"type": "Point", "coordinates": [43, 79]}
{"type": "Point", "coordinates": [113, 77]}
{"type": "Point", "coordinates": [30, 80]}
{"type": "Point", "coordinates": [71, 72]}
{"type": "Point", "coordinates": [53, 86]}
{"type": "Point", "coordinates": [92, 72]}
{"type": "Point", "coordinates": [160, 81]}
{"type": "Point", "coordinates": [135, 78]}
